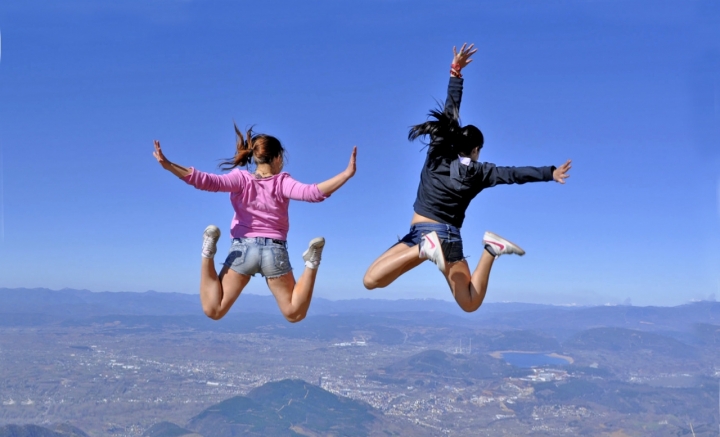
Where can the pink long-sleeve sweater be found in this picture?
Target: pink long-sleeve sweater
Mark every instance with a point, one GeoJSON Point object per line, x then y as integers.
{"type": "Point", "coordinates": [261, 205]}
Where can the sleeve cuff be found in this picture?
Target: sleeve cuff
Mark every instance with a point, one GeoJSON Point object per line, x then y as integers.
{"type": "Point", "coordinates": [189, 177]}
{"type": "Point", "coordinates": [552, 170]}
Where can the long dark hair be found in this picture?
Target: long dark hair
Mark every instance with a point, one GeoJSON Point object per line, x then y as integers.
{"type": "Point", "coordinates": [251, 147]}
{"type": "Point", "coordinates": [455, 138]}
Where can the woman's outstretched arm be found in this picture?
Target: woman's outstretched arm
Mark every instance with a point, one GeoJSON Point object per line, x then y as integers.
{"type": "Point", "coordinates": [333, 184]}
{"type": "Point", "coordinates": [203, 181]}
{"type": "Point", "coordinates": [460, 61]}
{"type": "Point", "coordinates": [177, 170]}
{"type": "Point", "coordinates": [494, 175]}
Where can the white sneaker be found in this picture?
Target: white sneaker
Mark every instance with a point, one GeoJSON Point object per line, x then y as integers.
{"type": "Point", "coordinates": [501, 246]}
{"type": "Point", "coordinates": [210, 239]}
{"type": "Point", "coordinates": [314, 252]}
{"type": "Point", "coordinates": [431, 249]}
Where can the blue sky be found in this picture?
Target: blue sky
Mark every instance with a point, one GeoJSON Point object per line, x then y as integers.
{"type": "Point", "coordinates": [629, 90]}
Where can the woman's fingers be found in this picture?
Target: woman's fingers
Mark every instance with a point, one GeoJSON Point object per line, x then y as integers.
{"type": "Point", "coordinates": [462, 57]}
{"type": "Point", "coordinates": [158, 153]}
{"type": "Point", "coordinates": [351, 165]}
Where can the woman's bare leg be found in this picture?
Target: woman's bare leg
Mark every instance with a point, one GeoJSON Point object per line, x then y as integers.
{"type": "Point", "coordinates": [217, 294]}
{"type": "Point", "coordinates": [469, 291]}
{"type": "Point", "coordinates": [293, 298]}
{"type": "Point", "coordinates": [391, 265]}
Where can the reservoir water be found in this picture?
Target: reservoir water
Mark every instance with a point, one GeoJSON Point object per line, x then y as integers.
{"type": "Point", "coordinates": [527, 359]}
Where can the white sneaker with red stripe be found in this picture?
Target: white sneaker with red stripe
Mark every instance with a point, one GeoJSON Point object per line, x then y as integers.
{"type": "Point", "coordinates": [430, 249]}
{"type": "Point", "coordinates": [500, 246]}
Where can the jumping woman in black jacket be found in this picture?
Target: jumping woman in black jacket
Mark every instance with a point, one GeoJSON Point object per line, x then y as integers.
{"type": "Point", "coordinates": [450, 178]}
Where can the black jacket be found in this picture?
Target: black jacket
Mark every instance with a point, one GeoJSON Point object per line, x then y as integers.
{"type": "Point", "coordinates": [447, 186]}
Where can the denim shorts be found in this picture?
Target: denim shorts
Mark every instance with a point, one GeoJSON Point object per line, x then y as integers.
{"type": "Point", "coordinates": [266, 256]}
{"type": "Point", "coordinates": [450, 239]}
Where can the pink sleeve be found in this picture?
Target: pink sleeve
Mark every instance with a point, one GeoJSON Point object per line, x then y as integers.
{"type": "Point", "coordinates": [295, 190]}
{"type": "Point", "coordinates": [228, 183]}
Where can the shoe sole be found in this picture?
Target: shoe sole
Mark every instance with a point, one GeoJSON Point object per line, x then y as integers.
{"type": "Point", "coordinates": [212, 228]}
{"type": "Point", "coordinates": [436, 240]}
{"type": "Point", "coordinates": [520, 250]}
{"type": "Point", "coordinates": [314, 242]}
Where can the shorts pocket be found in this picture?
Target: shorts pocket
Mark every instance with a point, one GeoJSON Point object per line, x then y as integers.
{"type": "Point", "coordinates": [237, 254]}
{"type": "Point", "coordinates": [280, 258]}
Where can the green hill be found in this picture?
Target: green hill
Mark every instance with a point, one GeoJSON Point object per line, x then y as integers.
{"type": "Point", "coordinates": [433, 364]}
{"type": "Point", "coordinates": [168, 429]}
{"type": "Point", "coordinates": [39, 431]}
{"type": "Point", "coordinates": [629, 340]}
{"type": "Point", "coordinates": [286, 408]}
{"type": "Point", "coordinates": [524, 340]}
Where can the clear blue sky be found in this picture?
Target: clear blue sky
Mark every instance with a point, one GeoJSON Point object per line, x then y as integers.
{"type": "Point", "coordinates": [630, 90]}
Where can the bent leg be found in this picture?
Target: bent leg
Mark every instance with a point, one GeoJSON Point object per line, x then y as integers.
{"type": "Point", "coordinates": [469, 291]}
{"type": "Point", "coordinates": [293, 298]}
{"type": "Point", "coordinates": [218, 294]}
{"type": "Point", "coordinates": [391, 265]}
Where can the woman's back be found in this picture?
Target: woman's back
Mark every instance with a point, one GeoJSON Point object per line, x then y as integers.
{"type": "Point", "coordinates": [260, 204]}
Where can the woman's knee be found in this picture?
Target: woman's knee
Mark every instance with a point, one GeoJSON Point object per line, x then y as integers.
{"type": "Point", "coordinates": [371, 282]}
{"type": "Point", "coordinates": [295, 317]}
{"type": "Point", "coordinates": [213, 313]}
{"type": "Point", "coordinates": [469, 306]}
{"type": "Point", "coordinates": [466, 303]}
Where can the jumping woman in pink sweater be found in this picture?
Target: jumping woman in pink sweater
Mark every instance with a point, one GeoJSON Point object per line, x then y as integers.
{"type": "Point", "coordinates": [260, 225]}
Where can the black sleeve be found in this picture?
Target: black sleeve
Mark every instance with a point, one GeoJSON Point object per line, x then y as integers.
{"type": "Point", "coordinates": [454, 96]}
{"type": "Point", "coordinates": [494, 175]}
{"type": "Point", "coordinates": [452, 105]}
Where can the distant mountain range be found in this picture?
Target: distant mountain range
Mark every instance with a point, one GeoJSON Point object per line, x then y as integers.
{"type": "Point", "coordinates": [72, 302]}
{"type": "Point", "coordinates": [21, 307]}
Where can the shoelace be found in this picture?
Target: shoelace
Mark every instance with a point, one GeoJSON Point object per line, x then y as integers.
{"type": "Point", "coordinates": [209, 244]}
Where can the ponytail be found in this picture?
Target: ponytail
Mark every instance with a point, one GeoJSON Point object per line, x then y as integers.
{"type": "Point", "coordinates": [455, 139]}
{"type": "Point", "coordinates": [252, 147]}
{"type": "Point", "coordinates": [444, 126]}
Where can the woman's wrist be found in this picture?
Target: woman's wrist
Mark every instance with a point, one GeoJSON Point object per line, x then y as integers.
{"type": "Point", "coordinates": [455, 70]}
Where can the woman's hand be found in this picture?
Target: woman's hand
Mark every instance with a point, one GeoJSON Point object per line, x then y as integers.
{"type": "Point", "coordinates": [177, 170]}
{"type": "Point", "coordinates": [334, 183]}
{"type": "Point", "coordinates": [561, 173]}
{"type": "Point", "coordinates": [462, 59]}
{"type": "Point", "coordinates": [350, 170]}
{"type": "Point", "coordinates": [158, 154]}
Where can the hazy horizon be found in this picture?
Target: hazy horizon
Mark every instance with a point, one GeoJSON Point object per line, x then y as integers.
{"type": "Point", "coordinates": [380, 298]}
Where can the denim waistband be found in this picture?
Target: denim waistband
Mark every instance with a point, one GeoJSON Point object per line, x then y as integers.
{"type": "Point", "coordinates": [437, 227]}
{"type": "Point", "coordinates": [261, 241]}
